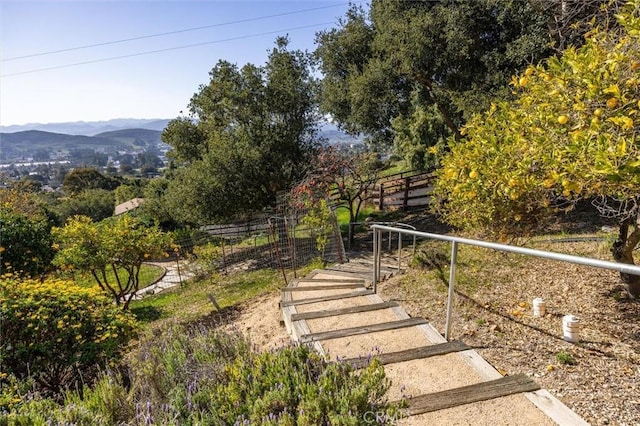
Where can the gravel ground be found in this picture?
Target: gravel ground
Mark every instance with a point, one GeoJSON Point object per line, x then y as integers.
{"type": "Point", "coordinates": [598, 377]}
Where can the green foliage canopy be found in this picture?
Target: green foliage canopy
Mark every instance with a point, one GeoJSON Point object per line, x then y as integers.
{"type": "Point", "coordinates": [25, 233]}
{"type": "Point", "coordinates": [25, 243]}
{"type": "Point", "coordinates": [249, 135]}
{"type": "Point", "coordinates": [130, 189]}
{"type": "Point", "coordinates": [79, 180]}
{"type": "Point", "coordinates": [98, 204]}
{"type": "Point", "coordinates": [156, 209]}
{"type": "Point", "coordinates": [445, 58]}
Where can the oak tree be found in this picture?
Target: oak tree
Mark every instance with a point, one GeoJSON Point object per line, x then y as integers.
{"type": "Point", "coordinates": [248, 136]}
{"type": "Point", "coordinates": [444, 59]}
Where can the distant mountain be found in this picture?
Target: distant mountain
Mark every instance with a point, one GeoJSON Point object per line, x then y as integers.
{"type": "Point", "coordinates": [90, 128]}
{"type": "Point", "coordinates": [122, 134]}
{"type": "Point", "coordinates": [335, 136]}
{"type": "Point", "coordinates": [143, 138]}
{"type": "Point", "coordinates": [37, 143]}
{"type": "Point", "coordinates": [36, 139]}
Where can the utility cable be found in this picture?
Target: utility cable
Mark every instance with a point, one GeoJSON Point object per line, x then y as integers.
{"type": "Point", "coordinates": [241, 21]}
{"type": "Point", "coordinates": [149, 52]}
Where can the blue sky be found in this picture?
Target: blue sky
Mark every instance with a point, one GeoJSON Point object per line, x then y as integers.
{"type": "Point", "coordinates": [157, 85]}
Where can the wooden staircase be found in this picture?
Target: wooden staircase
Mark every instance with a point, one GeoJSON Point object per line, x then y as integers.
{"type": "Point", "coordinates": [335, 311]}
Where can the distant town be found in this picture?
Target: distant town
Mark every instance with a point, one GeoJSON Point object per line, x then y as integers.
{"type": "Point", "coordinates": [127, 147]}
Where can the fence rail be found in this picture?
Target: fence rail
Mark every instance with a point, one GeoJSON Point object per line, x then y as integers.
{"type": "Point", "coordinates": [567, 258]}
{"type": "Point", "coordinates": [404, 191]}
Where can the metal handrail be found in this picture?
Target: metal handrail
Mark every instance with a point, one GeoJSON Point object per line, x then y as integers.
{"type": "Point", "coordinates": [397, 224]}
{"type": "Point", "coordinates": [370, 224]}
{"type": "Point", "coordinates": [377, 242]}
{"type": "Point", "coordinates": [587, 261]}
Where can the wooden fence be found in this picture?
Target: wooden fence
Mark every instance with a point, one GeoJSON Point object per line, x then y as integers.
{"type": "Point", "coordinates": [406, 190]}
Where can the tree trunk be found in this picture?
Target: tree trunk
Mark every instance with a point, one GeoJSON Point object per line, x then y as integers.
{"type": "Point", "coordinates": [622, 251]}
{"type": "Point", "coordinates": [448, 121]}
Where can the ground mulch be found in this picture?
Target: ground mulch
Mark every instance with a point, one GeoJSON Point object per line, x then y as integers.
{"type": "Point", "coordinates": [599, 377]}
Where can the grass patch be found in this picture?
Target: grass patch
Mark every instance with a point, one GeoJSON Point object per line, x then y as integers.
{"type": "Point", "coordinates": [305, 270]}
{"type": "Point", "coordinates": [191, 301]}
{"type": "Point", "coordinates": [342, 213]}
{"type": "Point", "coordinates": [254, 241]}
{"type": "Point", "coordinates": [395, 168]}
{"type": "Point", "coordinates": [149, 274]}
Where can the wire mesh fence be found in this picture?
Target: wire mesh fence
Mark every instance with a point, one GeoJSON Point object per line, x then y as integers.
{"type": "Point", "coordinates": [280, 238]}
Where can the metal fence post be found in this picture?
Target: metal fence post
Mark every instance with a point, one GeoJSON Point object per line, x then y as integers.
{"type": "Point", "coordinates": [379, 258]}
{"type": "Point", "coordinates": [178, 267]}
{"type": "Point", "coordinates": [452, 281]}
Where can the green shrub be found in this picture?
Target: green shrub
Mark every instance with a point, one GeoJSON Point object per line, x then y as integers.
{"type": "Point", "coordinates": [106, 403]}
{"type": "Point", "coordinates": [565, 358]}
{"type": "Point", "coordinates": [25, 243]}
{"type": "Point", "coordinates": [214, 378]}
{"type": "Point", "coordinates": [209, 377]}
{"type": "Point", "coordinates": [208, 257]}
{"type": "Point", "coordinates": [57, 332]}
{"type": "Point", "coordinates": [121, 244]}
{"type": "Point", "coordinates": [98, 204]}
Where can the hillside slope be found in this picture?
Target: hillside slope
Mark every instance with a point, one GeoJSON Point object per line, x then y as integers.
{"type": "Point", "coordinates": [24, 144]}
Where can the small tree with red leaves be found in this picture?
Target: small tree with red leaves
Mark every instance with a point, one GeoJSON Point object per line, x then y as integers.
{"type": "Point", "coordinates": [345, 179]}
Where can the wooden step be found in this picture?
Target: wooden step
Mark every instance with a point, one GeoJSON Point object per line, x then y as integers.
{"type": "Point", "coordinates": [371, 328]}
{"type": "Point", "coordinates": [330, 280]}
{"type": "Point", "coordinates": [411, 354]}
{"type": "Point", "coordinates": [469, 394]}
{"type": "Point", "coordinates": [361, 267]}
{"type": "Point", "coordinates": [326, 298]}
{"type": "Point", "coordinates": [342, 311]}
{"type": "Point", "coordinates": [325, 287]}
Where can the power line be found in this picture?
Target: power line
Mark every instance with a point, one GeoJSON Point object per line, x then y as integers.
{"type": "Point", "coordinates": [149, 52]}
{"type": "Point", "coordinates": [241, 21]}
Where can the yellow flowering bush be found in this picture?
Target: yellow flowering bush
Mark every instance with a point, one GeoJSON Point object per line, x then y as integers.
{"type": "Point", "coordinates": [57, 332]}
{"type": "Point", "coordinates": [572, 133]}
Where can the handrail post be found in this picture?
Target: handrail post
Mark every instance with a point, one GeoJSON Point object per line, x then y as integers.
{"type": "Point", "coordinates": [375, 257]}
{"type": "Point", "coordinates": [414, 246]}
{"type": "Point", "coordinates": [399, 248]}
{"type": "Point", "coordinates": [452, 281]}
